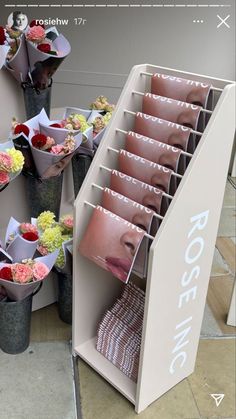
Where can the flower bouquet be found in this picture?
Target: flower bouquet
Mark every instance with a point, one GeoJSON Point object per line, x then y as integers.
{"type": "Point", "coordinates": [22, 278]}
{"type": "Point", "coordinates": [21, 240]}
{"type": "Point", "coordinates": [11, 163]}
{"type": "Point", "coordinates": [59, 235]}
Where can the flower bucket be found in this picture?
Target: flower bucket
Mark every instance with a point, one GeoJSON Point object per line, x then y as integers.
{"type": "Point", "coordinates": [65, 296]}
{"type": "Point", "coordinates": [80, 166]}
{"type": "Point", "coordinates": [36, 100]}
{"type": "Point", "coordinates": [44, 194]}
{"type": "Point", "coordinates": [15, 321]}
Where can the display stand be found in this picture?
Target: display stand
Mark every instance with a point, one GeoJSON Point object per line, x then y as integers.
{"type": "Point", "coordinates": [180, 256]}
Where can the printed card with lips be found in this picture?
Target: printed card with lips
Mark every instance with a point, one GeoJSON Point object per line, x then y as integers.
{"type": "Point", "coordinates": [136, 214]}
{"type": "Point", "coordinates": [147, 171]}
{"type": "Point", "coordinates": [121, 240]}
{"type": "Point", "coordinates": [182, 113]}
{"type": "Point", "coordinates": [165, 131]}
{"type": "Point", "coordinates": [140, 192]}
{"type": "Point", "coordinates": [178, 88]}
{"type": "Point", "coordinates": [155, 151]}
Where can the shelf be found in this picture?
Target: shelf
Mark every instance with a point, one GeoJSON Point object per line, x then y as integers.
{"type": "Point", "coordinates": [87, 351]}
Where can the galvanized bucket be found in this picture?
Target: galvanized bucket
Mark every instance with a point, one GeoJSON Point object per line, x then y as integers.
{"type": "Point", "coordinates": [44, 195]}
{"type": "Point", "coordinates": [80, 166]}
{"type": "Point", "coordinates": [15, 321]}
{"type": "Point", "coordinates": [36, 100]}
{"type": "Point", "coordinates": [65, 296]}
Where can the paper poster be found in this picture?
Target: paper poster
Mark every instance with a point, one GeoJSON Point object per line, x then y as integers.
{"type": "Point", "coordinates": [153, 150]}
{"type": "Point", "coordinates": [140, 192]}
{"type": "Point", "coordinates": [145, 170]}
{"type": "Point", "coordinates": [182, 113]}
{"type": "Point", "coordinates": [177, 88]}
{"type": "Point", "coordinates": [136, 214]}
{"type": "Point", "coordinates": [117, 250]}
{"type": "Point", "coordinates": [165, 131]}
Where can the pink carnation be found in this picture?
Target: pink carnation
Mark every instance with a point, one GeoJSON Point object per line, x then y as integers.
{"type": "Point", "coordinates": [36, 34]}
{"type": "Point", "coordinates": [40, 270]}
{"type": "Point", "coordinates": [67, 221]}
{"type": "Point", "coordinates": [28, 228]}
{"type": "Point", "coordinates": [4, 178]}
{"type": "Point", "coordinates": [57, 149]}
{"type": "Point", "coordinates": [6, 161]}
{"type": "Point", "coordinates": [22, 273]}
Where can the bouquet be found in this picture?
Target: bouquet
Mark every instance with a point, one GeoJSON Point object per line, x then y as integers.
{"type": "Point", "coordinates": [32, 53]}
{"type": "Point", "coordinates": [21, 240]}
{"type": "Point", "coordinates": [11, 163]}
{"type": "Point", "coordinates": [56, 236]}
{"type": "Point", "coordinates": [101, 103]}
{"type": "Point", "coordinates": [22, 278]}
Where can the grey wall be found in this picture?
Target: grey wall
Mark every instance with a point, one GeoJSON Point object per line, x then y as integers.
{"type": "Point", "coordinates": [115, 38]}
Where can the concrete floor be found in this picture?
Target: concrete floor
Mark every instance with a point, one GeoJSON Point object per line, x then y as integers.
{"type": "Point", "coordinates": [38, 383]}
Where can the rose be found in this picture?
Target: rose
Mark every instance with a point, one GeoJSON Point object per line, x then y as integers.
{"type": "Point", "coordinates": [4, 178]}
{"type": "Point", "coordinates": [67, 221]}
{"type": "Point", "coordinates": [5, 273]}
{"type": "Point", "coordinates": [28, 228]}
{"type": "Point", "coordinates": [2, 36]}
{"type": "Point", "coordinates": [22, 273]}
{"type": "Point", "coordinates": [36, 23]}
{"type": "Point", "coordinates": [21, 129]}
{"type": "Point", "coordinates": [36, 34]}
{"type": "Point", "coordinates": [40, 270]}
{"type": "Point", "coordinates": [44, 48]}
{"type": "Point", "coordinates": [30, 236]}
{"type": "Point", "coordinates": [5, 162]}
{"type": "Point", "coordinates": [56, 125]}
{"type": "Point", "coordinates": [49, 143]}
{"type": "Point", "coordinates": [39, 141]}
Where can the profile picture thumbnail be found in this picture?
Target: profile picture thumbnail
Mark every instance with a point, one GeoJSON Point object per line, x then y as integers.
{"type": "Point", "coordinates": [17, 21]}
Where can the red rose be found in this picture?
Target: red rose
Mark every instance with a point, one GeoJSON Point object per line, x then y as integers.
{"type": "Point", "coordinates": [5, 273]}
{"type": "Point", "coordinates": [36, 23]}
{"type": "Point", "coordinates": [31, 237]}
{"type": "Point", "coordinates": [55, 125]}
{"type": "Point", "coordinates": [44, 48]}
{"type": "Point", "coordinates": [21, 128]}
{"type": "Point", "coordinates": [2, 36]}
{"type": "Point", "coordinates": [39, 140]}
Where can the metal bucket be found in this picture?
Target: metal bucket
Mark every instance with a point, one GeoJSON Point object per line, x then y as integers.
{"type": "Point", "coordinates": [15, 321]}
{"type": "Point", "coordinates": [80, 166]}
{"type": "Point", "coordinates": [65, 296]}
{"type": "Point", "coordinates": [36, 100]}
{"type": "Point", "coordinates": [44, 195]}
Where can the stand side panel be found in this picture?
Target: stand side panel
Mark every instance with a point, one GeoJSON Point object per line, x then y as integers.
{"type": "Point", "coordinates": [180, 261]}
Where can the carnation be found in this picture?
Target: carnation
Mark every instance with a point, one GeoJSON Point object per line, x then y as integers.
{"type": "Point", "coordinates": [4, 178]}
{"type": "Point", "coordinates": [39, 141]}
{"type": "Point", "coordinates": [57, 149]}
{"type": "Point", "coordinates": [67, 221]}
{"type": "Point", "coordinates": [36, 23]}
{"type": "Point", "coordinates": [22, 273]}
{"type": "Point", "coordinates": [30, 236]}
{"type": "Point", "coordinates": [40, 270]}
{"type": "Point", "coordinates": [42, 250]}
{"type": "Point", "coordinates": [52, 239]}
{"type": "Point", "coordinates": [56, 125]}
{"type": "Point", "coordinates": [28, 228]}
{"type": "Point", "coordinates": [17, 159]}
{"type": "Point", "coordinates": [6, 162]}
{"type": "Point", "coordinates": [5, 273]}
{"type": "Point", "coordinates": [36, 34]}
{"type": "Point", "coordinates": [21, 129]}
{"type": "Point", "coordinates": [45, 220]}
{"type": "Point", "coordinates": [46, 48]}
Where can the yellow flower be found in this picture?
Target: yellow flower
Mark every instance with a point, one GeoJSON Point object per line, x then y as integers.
{"type": "Point", "coordinates": [17, 158]}
{"type": "Point", "coordinates": [45, 220]}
